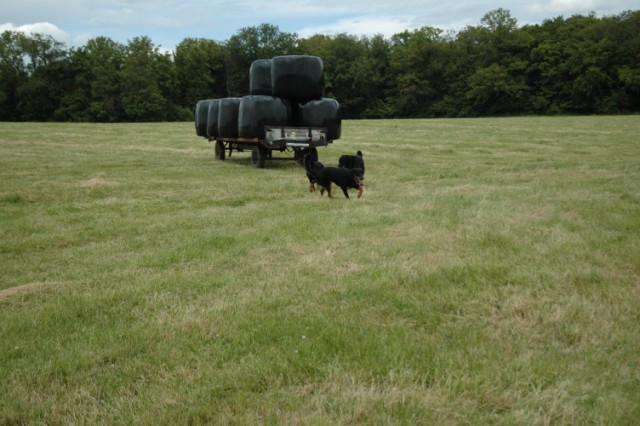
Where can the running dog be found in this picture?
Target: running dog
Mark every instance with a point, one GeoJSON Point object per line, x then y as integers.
{"type": "Point", "coordinates": [326, 176]}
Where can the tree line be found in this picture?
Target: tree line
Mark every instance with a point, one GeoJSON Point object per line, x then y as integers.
{"type": "Point", "coordinates": [576, 65]}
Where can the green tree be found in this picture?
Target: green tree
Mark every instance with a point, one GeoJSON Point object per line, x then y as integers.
{"type": "Point", "coordinates": [200, 73]}
{"type": "Point", "coordinates": [142, 98]}
{"type": "Point", "coordinates": [493, 91]}
{"type": "Point", "coordinates": [568, 64]}
{"type": "Point", "coordinates": [629, 79]}
{"type": "Point", "coordinates": [498, 85]}
{"type": "Point", "coordinates": [106, 59]}
{"type": "Point", "coordinates": [97, 83]}
{"type": "Point", "coordinates": [624, 65]}
{"type": "Point", "coordinates": [12, 74]}
{"type": "Point", "coordinates": [167, 80]}
{"type": "Point", "coordinates": [420, 61]}
{"type": "Point", "coordinates": [544, 73]}
{"type": "Point", "coordinates": [379, 81]}
{"type": "Point", "coordinates": [582, 64]}
{"type": "Point", "coordinates": [38, 96]}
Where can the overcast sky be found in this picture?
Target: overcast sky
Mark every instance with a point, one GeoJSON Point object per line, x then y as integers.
{"type": "Point", "coordinates": [167, 22]}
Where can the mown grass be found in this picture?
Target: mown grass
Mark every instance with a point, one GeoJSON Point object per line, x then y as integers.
{"type": "Point", "coordinates": [489, 274]}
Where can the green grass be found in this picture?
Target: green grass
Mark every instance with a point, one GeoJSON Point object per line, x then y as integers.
{"type": "Point", "coordinates": [489, 275]}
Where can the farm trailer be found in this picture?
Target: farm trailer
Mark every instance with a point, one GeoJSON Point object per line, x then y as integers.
{"type": "Point", "coordinates": [300, 140]}
{"type": "Point", "coordinates": [285, 110]}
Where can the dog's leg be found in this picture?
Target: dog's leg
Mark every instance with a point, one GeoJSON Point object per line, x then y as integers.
{"type": "Point", "coordinates": [360, 191]}
{"type": "Point", "coordinates": [329, 191]}
{"type": "Point", "coordinates": [344, 190]}
{"type": "Point", "coordinates": [312, 187]}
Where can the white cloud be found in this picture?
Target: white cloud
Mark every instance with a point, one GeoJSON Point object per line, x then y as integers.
{"type": "Point", "coordinates": [367, 26]}
{"type": "Point", "coordinates": [560, 6]}
{"type": "Point", "coordinates": [37, 28]}
{"type": "Point", "coordinates": [555, 7]}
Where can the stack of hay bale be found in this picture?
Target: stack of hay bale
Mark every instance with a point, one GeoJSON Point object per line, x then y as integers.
{"type": "Point", "coordinates": [283, 91]}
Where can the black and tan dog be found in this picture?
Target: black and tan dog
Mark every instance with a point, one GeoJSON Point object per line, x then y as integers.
{"type": "Point", "coordinates": [326, 176]}
{"type": "Point", "coordinates": [352, 161]}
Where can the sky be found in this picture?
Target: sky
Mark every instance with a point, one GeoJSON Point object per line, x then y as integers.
{"type": "Point", "coordinates": [168, 22]}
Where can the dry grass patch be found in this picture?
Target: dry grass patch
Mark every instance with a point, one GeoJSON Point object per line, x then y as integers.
{"type": "Point", "coordinates": [26, 289]}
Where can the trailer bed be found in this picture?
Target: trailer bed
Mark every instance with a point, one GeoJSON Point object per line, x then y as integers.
{"type": "Point", "coordinates": [300, 140]}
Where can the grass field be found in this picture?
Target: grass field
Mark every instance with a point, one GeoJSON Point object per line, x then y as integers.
{"type": "Point", "coordinates": [489, 275]}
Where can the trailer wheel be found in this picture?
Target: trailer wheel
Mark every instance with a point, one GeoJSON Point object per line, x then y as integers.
{"type": "Point", "coordinates": [219, 150]}
{"type": "Point", "coordinates": [258, 157]}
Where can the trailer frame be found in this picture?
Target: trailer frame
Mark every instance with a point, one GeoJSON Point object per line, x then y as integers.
{"type": "Point", "coordinates": [300, 140]}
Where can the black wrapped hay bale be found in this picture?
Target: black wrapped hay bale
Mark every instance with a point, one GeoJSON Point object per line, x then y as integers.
{"type": "Point", "coordinates": [297, 77]}
{"type": "Point", "coordinates": [258, 111]}
{"type": "Point", "coordinates": [260, 77]}
{"type": "Point", "coordinates": [320, 113]}
{"type": "Point", "coordinates": [228, 117]}
{"type": "Point", "coordinates": [212, 118]}
{"type": "Point", "coordinates": [202, 109]}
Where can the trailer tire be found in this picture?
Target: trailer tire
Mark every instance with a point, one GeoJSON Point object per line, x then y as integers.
{"type": "Point", "coordinates": [219, 150]}
{"type": "Point", "coordinates": [258, 156]}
